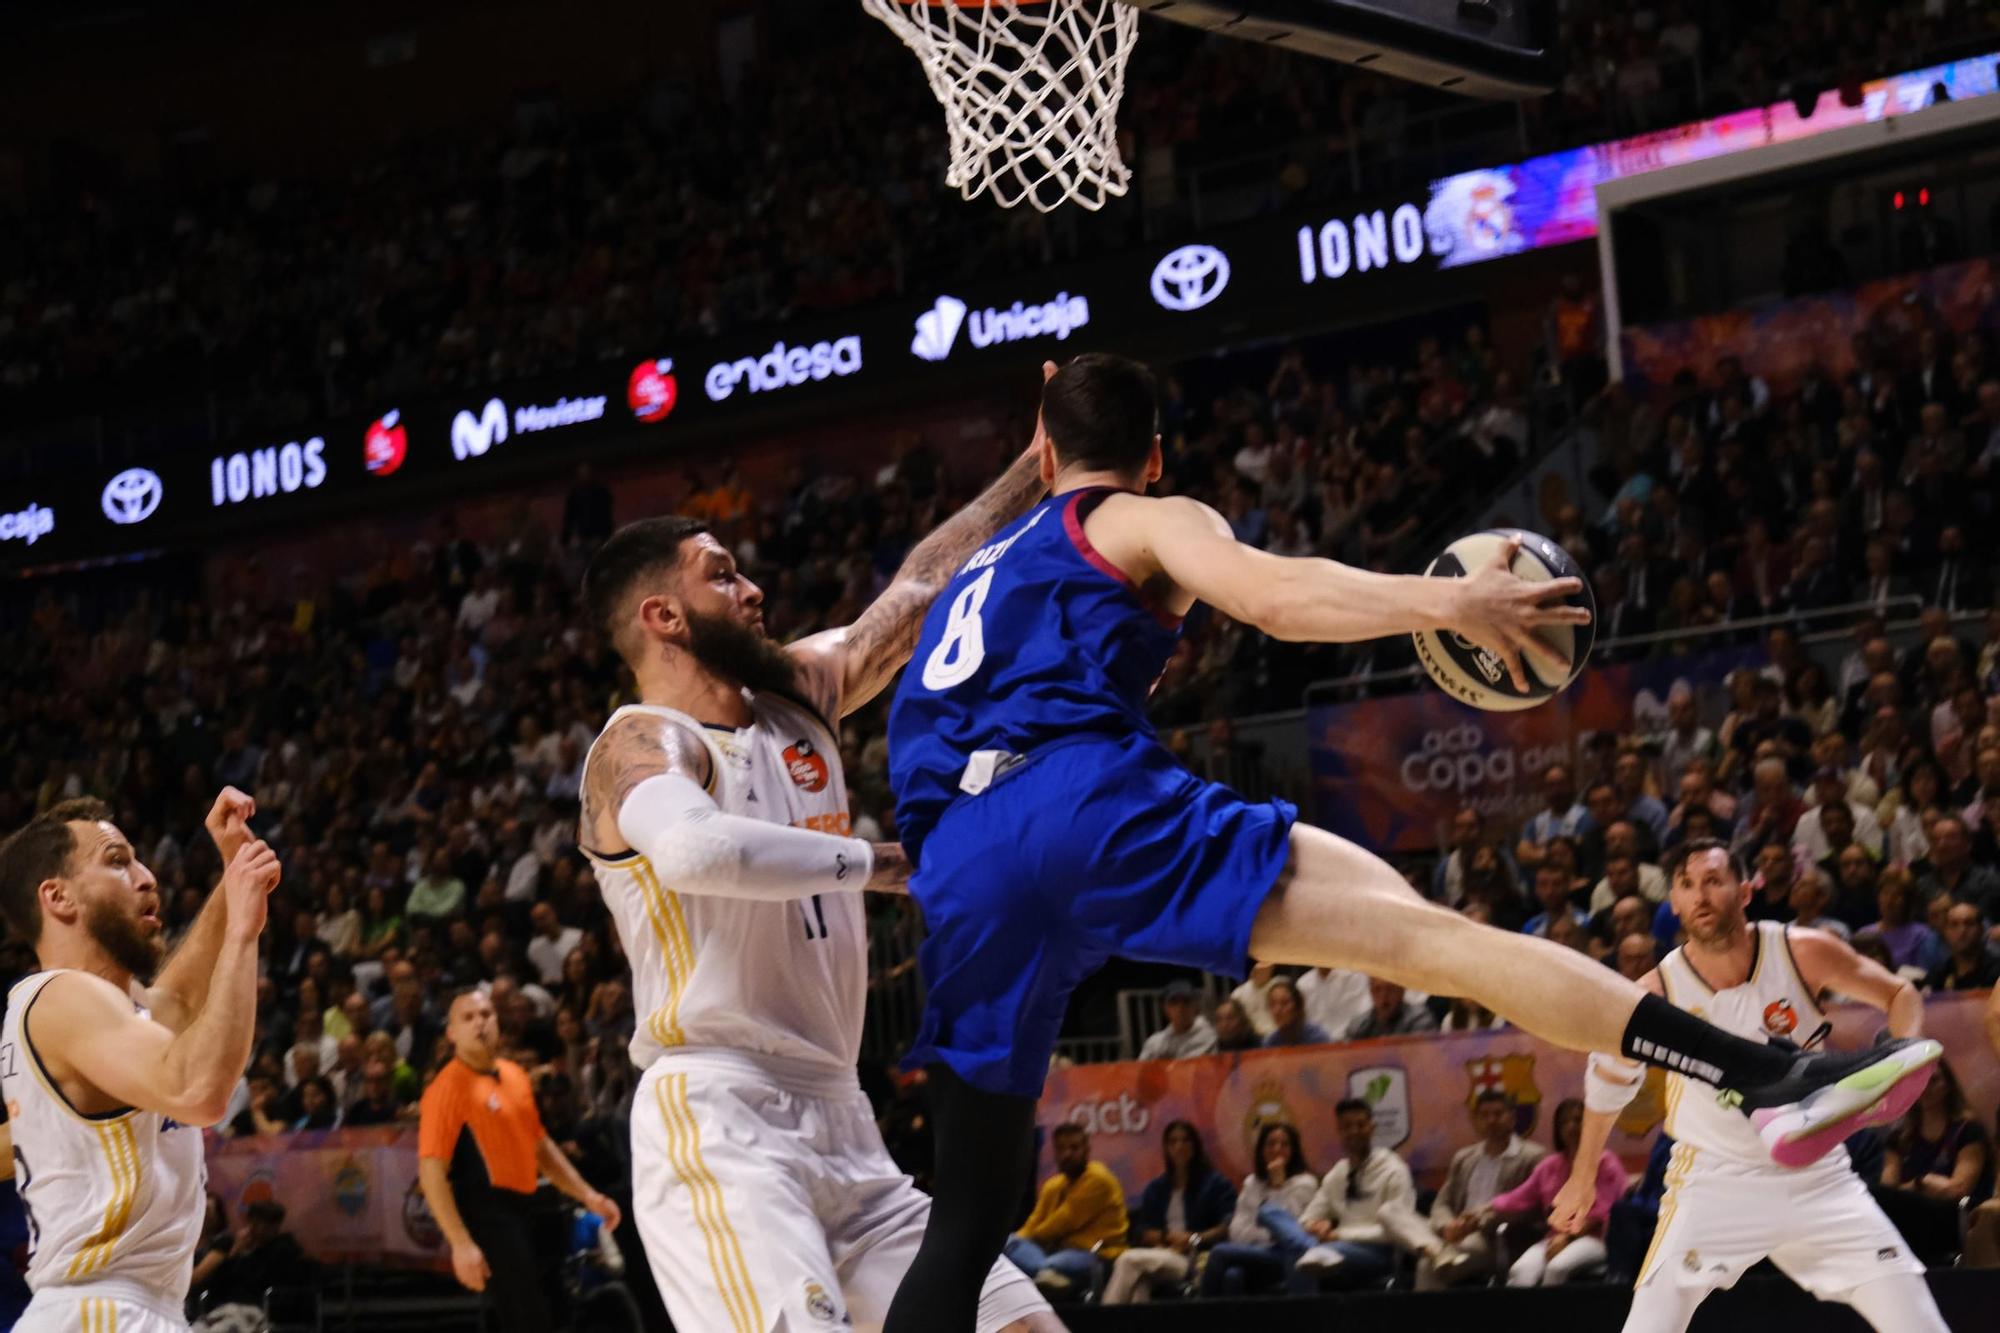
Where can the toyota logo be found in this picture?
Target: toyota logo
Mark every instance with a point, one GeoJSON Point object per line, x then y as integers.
{"type": "Point", "coordinates": [132, 495]}
{"type": "Point", "coordinates": [1190, 277]}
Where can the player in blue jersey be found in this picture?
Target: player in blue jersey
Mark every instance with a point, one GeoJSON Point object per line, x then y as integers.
{"type": "Point", "coordinates": [1049, 829]}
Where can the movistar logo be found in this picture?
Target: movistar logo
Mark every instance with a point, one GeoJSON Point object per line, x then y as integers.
{"type": "Point", "coordinates": [937, 329]}
{"type": "Point", "coordinates": [472, 436]}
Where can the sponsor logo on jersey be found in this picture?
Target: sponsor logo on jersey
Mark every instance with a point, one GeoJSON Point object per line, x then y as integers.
{"type": "Point", "coordinates": [806, 765]}
{"type": "Point", "coordinates": [1692, 1261]}
{"type": "Point", "coordinates": [1886, 1253]}
{"type": "Point", "coordinates": [1780, 1019]}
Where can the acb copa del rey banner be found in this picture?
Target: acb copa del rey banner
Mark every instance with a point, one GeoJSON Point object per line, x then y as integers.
{"type": "Point", "coordinates": [1421, 1087]}
{"type": "Point", "coordinates": [1389, 773]}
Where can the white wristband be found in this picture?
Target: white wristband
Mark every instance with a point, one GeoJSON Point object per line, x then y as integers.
{"type": "Point", "coordinates": [694, 847]}
{"type": "Point", "coordinates": [1610, 1084]}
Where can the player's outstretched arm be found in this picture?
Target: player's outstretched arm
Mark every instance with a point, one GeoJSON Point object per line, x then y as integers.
{"type": "Point", "coordinates": [1609, 1085]}
{"type": "Point", "coordinates": [85, 1028]}
{"type": "Point", "coordinates": [1826, 963]}
{"type": "Point", "coordinates": [645, 783]}
{"type": "Point", "coordinates": [1323, 601]}
{"type": "Point", "coordinates": [842, 669]}
{"type": "Point", "coordinates": [181, 988]}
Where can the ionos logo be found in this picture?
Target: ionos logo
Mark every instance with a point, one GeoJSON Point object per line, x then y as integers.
{"type": "Point", "coordinates": [234, 478]}
{"type": "Point", "coordinates": [783, 367]}
{"type": "Point", "coordinates": [1337, 248]}
{"type": "Point", "coordinates": [651, 391]}
{"type": "Point", "coordinates": [937, 328]}
{"type": "Point", "coordinates": [386, 444]}
{"type": "Point", "coordinates": [472, 436]}
{"type": "Point", "coordinates": [30, 525]}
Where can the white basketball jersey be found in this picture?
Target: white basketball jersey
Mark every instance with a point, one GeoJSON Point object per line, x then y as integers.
{"type": "Point", "coordinates": [1774, 1002]}
{"type": "Point", "coordinates": [109, 1198]}
{"type": "Point", "coordinates": [784, 979]}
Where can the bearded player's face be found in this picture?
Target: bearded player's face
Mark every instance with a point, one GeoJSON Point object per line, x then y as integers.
{"type": "Point", "coordinates": [724, 612]}
{"type": "Point", "coordinates": [118, 898]}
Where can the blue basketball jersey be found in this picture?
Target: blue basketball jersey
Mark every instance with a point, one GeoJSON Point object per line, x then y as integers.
{"type": "Point", "coordinates": [1038, 638]}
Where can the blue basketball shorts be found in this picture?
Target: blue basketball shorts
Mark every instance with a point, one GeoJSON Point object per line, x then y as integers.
{"type": "Point", "coordinates": [1093, 847]}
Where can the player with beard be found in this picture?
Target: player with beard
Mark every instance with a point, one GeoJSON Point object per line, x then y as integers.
{"type": "Point", "coordinates": [108, 1071]}
{"type": "Point", "coordinates": [716, 813]}
{"type": "Point", "coordinates": [1727, 1206]}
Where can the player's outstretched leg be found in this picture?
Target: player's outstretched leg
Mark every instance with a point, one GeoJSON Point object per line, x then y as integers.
{"type": "Point", "coordinates": [1899, 1303]}
{"type": "Point", "coordinates": [984, 1150]}
{"type": "Point", "coordinates": [1340, 905]}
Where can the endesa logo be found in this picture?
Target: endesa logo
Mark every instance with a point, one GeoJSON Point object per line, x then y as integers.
{"type": "Point", "coordinates": [386, 444]}
{"type": "Point", "coordinates": [937, 328]}
{"type": "Point", "coordinates": [280, 470]}
{"type": "Point", "coordinates": [652, 390]}
{"type": "Point", "coordinates": [472, 436]}
{"type": "Point", "coordinates": [29, 525]}
{"type": "Point", "coordinates": [783, 367]}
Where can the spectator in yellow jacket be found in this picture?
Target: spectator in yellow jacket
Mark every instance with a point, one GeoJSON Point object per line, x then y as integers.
{"type": "Point", "coordinates": [1080, 1206]}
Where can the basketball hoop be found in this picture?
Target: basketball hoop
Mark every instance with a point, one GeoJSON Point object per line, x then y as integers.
{"type": "Point", "coordinates": [1030, 92]}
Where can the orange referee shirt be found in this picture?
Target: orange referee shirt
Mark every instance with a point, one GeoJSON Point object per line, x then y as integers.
{"type": "Point", "coordinates": [499, 1110]}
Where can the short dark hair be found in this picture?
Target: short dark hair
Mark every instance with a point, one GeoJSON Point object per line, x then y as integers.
{"type": "Point", "coordinates": [1346, 1104]}
{"type": "Point", "coordinates": [634, 550]}
{"type": "Point", "coordinates": [1101, 412]}
{"type": "Point", "coordinates": [1695, 847]}
{"type": "Point", "coordinates": [1069, 1129]}
{"type": "Point", "coordinates": [40, 850]}
{"type": "Point", "coordinates": [1489, 1096]}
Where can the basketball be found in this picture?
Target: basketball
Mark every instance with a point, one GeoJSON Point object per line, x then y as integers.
{"type": "Point", "coordinates": [1475, 675]}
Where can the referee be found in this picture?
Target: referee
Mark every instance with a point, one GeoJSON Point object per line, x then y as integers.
{"type": "Point", "coordinates": [481, 1149]}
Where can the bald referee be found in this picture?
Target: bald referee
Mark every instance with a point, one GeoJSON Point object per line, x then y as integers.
{"type": "Point", "coordinates": [481, 1149]}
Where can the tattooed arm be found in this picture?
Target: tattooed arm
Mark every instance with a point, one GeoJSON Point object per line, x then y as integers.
{"type": "Point", "coordinates": [643, 791]}
{"type": "Point", "coordinates": [842, 669]}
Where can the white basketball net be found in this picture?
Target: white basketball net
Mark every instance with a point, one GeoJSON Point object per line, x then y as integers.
{"type": "Point", "coordinates": [1030, 93]}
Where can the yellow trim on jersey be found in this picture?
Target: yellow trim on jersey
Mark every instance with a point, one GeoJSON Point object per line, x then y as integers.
{"type": "Point", "coordinates": [725, 1251]}
{"type": "Point", "coordinates": [1679, 1166]}
{"type": "Point", "coordinates": [121, 1152]}
{"type": "Point", "coordinates": [663, 910]}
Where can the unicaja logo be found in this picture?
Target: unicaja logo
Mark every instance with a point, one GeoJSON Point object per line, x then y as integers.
{"type": "Point", "coordinates": [472, 436]}
{"type": "Point", "coordinates": [30, 525]}
{"type": "Point", "coordinates": [937, 329]}
{"type": "Point", "coordinates": [1190, 277]}
{"type": "Point", "coordinates": [132, 495]}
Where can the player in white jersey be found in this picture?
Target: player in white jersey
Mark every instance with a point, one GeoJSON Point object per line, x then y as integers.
{"type": "Point", "coordinates": [715, 810]}
{"type": "Point", "coordinates": [108, 1073]}
{"type": "Point", "coordinates": [1727, 1206]}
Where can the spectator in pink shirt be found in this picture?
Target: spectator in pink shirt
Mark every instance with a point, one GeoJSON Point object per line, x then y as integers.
{"type": "Point", "coordinates": [1557, 1258]}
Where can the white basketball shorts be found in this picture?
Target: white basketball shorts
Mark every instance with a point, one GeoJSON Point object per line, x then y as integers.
{"type": "Point", "coordinates": [1820, 1227]}
{"type": "Point", "coordinates": [100, 1307]}
{"type": "Point", "coordinates": [767, 1201]}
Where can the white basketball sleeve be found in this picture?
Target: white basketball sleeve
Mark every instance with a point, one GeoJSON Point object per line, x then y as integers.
{"type": "Point", "coordinates": [694, 847]}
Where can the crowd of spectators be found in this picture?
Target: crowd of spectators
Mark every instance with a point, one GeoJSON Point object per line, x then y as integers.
{"type": "Point", "coordinates": [575, 238]}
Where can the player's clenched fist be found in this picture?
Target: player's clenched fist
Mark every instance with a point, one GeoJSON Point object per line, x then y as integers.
{"type": "Point", "coordinates": [252, 874]}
